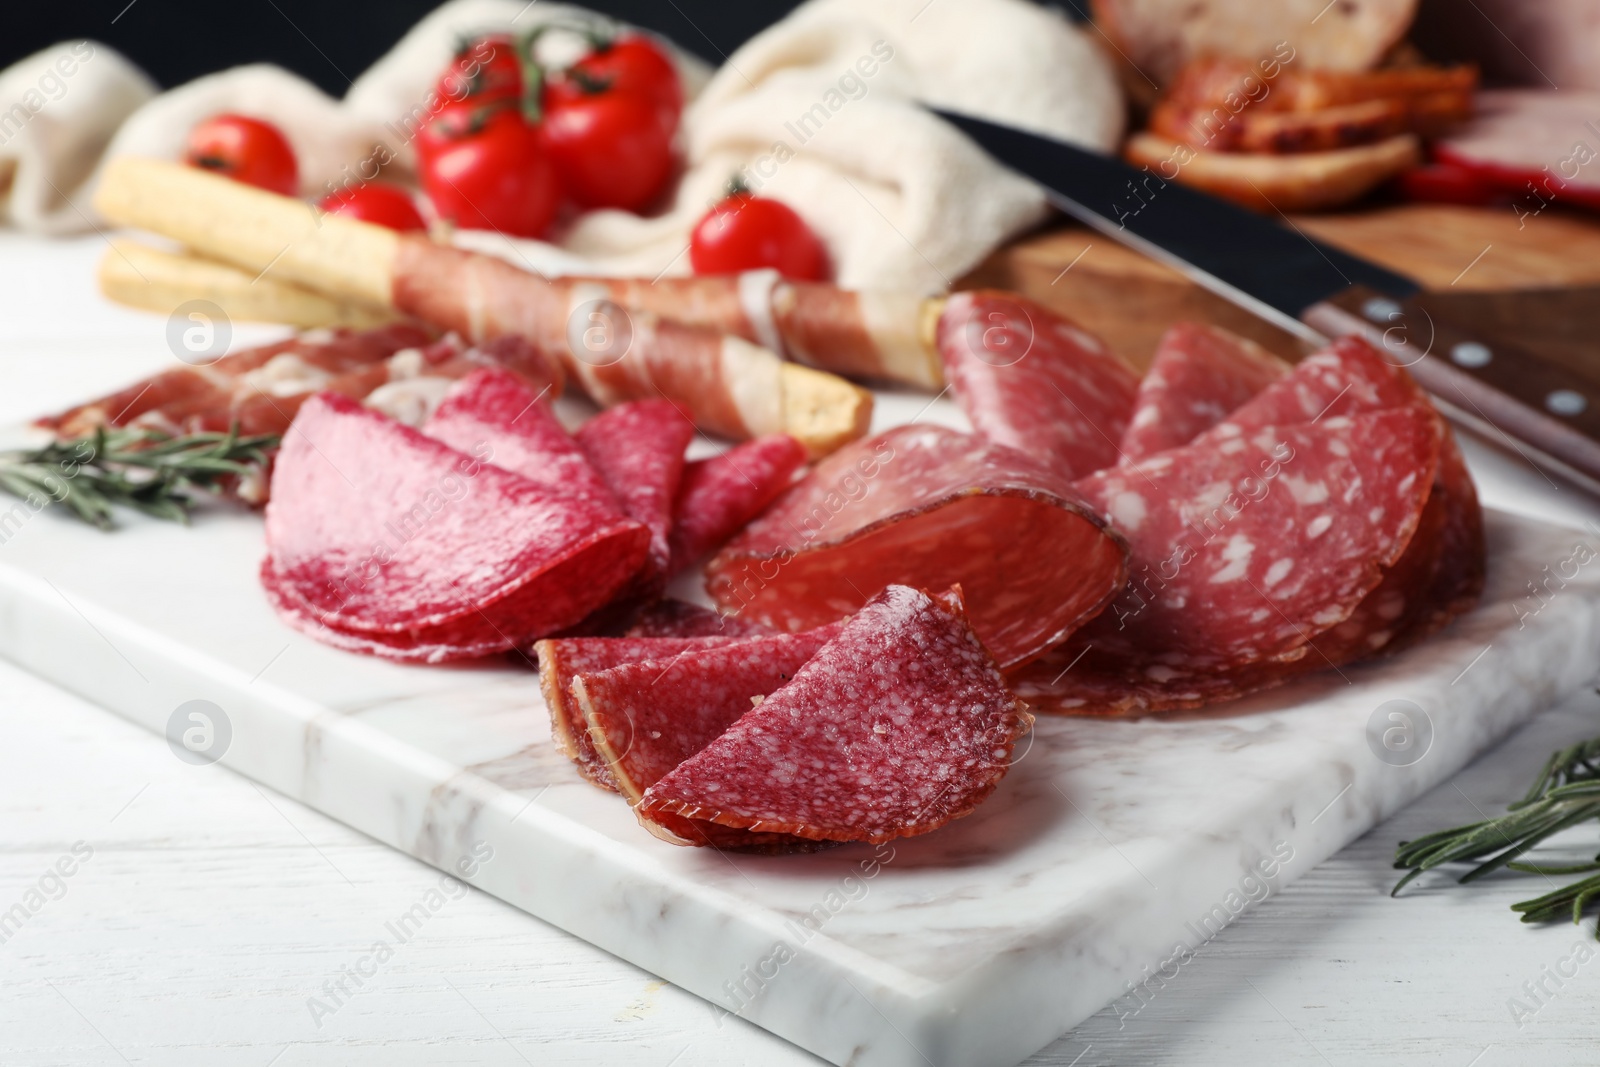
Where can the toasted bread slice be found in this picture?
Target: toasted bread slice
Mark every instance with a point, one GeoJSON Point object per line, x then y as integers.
{"type": "Point", "coordinates": [1160, 36]}
{"type": "Point", "coordinates": [1306, 181]}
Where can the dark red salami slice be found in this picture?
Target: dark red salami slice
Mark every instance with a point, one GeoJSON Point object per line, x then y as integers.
{"type": "Point", "coordinates": [645, 718]}
{"type": "Point", "coordinates": [375, 528]}
{"type": "Point", "coordinates": [929, 507]}
{"type": "Point", "coordinates": [678, 618]}
{"type": "Point", "coordinates": [1346, 378]}
{"type": "Point", "coordinates": [563, 659]}
{"type": "Point", "coordinates": [1032, 380]}
{"type": "Point", "coordinates": [1199, 376]}
{"type": "Point", "coordinates": [638, 449]}
{"type": "Point", "coordinates": [898, 725]}
{"type": "Point", "coordinates": [1244, 553]}
{"type": "Point", "coordinates": [493, 414]}
{"type": "Point", "coordinates": [1420, 595]}
{"type": "Point", "coordinates": [428, 646]}
{"type": "Point", "coordinates": [719, 496]}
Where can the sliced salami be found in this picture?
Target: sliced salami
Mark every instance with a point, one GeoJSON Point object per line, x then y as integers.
{"type": "Point", "coordinates": [494, 414]}
{"type": "Point", "coordinates": [563, 659]}
{"type": "Point", "coordinates": [1029, 379]}
{"type": "Point", "coordinates": [646, 718]}
{"type": "Point", "coordinates": [679, 618]}
{"type": "Point", "coordinates": [638, 450]}
{"type": "Point", "coordinates": [377, 529]}
{"type": "Point", "coordinates": [898, 725]}
{"type": "Point", "coordinates": [719, 496]}
{"type": "Point", "coordinates": [930, 507]}
{"type": "Point", "coordinates": [1243, 554]}
{"type": "Point", "coordinates": [1200, 375]}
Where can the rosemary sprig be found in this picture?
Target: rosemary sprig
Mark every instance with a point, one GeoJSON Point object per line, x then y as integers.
{"type": "Point", "coordinates": [147, 470]}
{"type": "Point", "coordinates": [1566, 793]}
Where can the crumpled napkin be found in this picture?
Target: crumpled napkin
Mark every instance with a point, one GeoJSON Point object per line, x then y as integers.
{"type": "Point", "coordinates": [820, 111]}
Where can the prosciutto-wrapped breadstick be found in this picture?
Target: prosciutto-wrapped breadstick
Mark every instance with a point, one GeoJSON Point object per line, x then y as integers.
{"type": "Point", "coordinates": [726, 384]}
{"type": "Point", "coordinates": [878, 335]}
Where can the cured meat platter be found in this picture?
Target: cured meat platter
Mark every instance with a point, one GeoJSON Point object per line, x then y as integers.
{"type": "Point", "coordinates": [1112, 849]}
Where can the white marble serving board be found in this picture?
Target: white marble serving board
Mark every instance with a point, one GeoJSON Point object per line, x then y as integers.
{"type": "Point", "coordinates": [1110, 851]}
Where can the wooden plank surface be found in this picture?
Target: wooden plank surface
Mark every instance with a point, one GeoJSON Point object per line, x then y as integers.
{"type": "Point", "coordinates": [1131, 300]}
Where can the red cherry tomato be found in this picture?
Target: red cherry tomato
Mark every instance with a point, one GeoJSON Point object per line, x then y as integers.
{"type": "Point", "coordinates": [486, 71]}
{"type": "Point", "coordinates": [746, 232]}
{"type": "Point", "coordinates": [629, 64]}
{"type": "Point", "coordinates": [376, 202]}
{"type": "Point", "coordinates": [246, 150]}
{"type": "Point", "coordinates": [612, 149]}
{"type": "Point", "coordinates": [495, 176]}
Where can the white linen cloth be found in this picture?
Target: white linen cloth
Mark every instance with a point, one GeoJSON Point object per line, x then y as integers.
{"type": "Point", "coordinates": [819, 111]}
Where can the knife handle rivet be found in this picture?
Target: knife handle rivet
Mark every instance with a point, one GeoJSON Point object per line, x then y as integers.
{"type": "Point", "coordinates": [1381, 309]}
{"type": "Point", "coordinates": [1566, 402]}
{"type": "Point", "coordinates": [1471, 354]}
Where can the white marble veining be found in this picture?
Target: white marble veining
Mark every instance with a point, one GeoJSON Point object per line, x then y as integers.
{"type": "Point", "coordinates": [1111, 847]}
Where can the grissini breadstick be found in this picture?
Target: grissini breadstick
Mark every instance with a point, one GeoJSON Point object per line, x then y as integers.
{"type": "Point", "coordinates": [155, 280]}
{"type": "Point", "coordinates": [727, 385]}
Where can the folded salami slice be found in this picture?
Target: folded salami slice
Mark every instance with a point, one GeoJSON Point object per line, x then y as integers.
{"type": "Point", "coordinates": [377, 529]}
{"type": "Point", "coordinates": [719, 496]}
{"type": "Point", "coordinates": [1244, 552]}
{"type": "Point", "coordinates": [638, 449]}
{"type": "Point", "coordinates": [1029, 379]}
{"type": "Point", "coordinates": [898, 725]}
{"type": "Point", "coordinates": [679, 618]}
{"type": "Point", "coordinates": [1422, 594]}
{"type": "Point", "coordinates": [1200, 375]}
{"type": "Point", "coordinates": [563, 659]}
{"type": "Point", "coordinates": [930, 507]}
{"type": "Point", "coordinates": [645, 718]}
{"type": "Point", "coordinates": [493, 413]}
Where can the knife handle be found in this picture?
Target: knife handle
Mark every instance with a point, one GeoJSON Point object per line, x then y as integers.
{"type": "Point", "coordinates": [1507, 390]}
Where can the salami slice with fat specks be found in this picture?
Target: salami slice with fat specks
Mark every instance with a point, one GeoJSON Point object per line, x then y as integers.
{"type": "Point", "coordinates": [375, 529]}
{"type": "Point", "coordinates": [494, 412]}
{"type": "Point", "coordinates": [928, 507]}
{"type": "Point", "coordinates": [1421, 594]}
{"type": "Point", "coordinates": [1243, 553]}
{"type": "Point", "coordinates": [646, 718]}
{"type": "Point", "coordinates": [679, 618]}
{"type": "Point", "coordinates": [638, 449]}
{"type": "Point", "coordinates": [719, 496]}
{"type": "Point", "coordinates": [1200, 375]}
{"type": "Point", "coordinates": [898, 725]}
{"type": "Point", "coordinates": [563, 659]}
{"type": "Point", "coordinates": [1029, 379]}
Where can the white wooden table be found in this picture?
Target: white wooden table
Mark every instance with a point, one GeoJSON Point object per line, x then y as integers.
{"type": "Point", "coordinates": [211, 911]}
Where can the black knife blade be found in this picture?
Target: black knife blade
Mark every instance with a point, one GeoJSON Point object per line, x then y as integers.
{"type": "Point", "coordinates": [1546, 409]}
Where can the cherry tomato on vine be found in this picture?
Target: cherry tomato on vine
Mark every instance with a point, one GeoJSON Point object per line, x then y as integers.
{"type": "Point", "coordinates": [611, 148]}
{"type": "Point", "coordinates": [245, 149]}
{"type": "Point", "coordinates": [496, 175]}
{"type": "Point", "coordinates": [376, 202]}
{"type": "Point", "coordinates": [748, 232]}
{"type": "Point", "coordinates": [629, 64]}
{"type": "Point", "coordinates": [485, 71]}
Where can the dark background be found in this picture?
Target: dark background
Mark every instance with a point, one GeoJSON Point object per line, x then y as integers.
{"type": "Point", "coordinates": [328, 41]}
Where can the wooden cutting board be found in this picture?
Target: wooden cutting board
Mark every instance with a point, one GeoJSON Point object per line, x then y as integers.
{"type": "Point", "coordinates": [1130, 300]}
